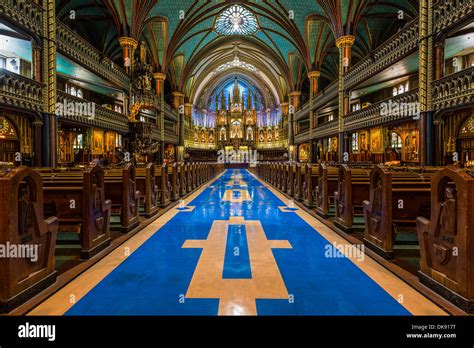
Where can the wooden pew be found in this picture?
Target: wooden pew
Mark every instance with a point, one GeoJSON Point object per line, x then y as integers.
{"type": "Point", "coordinates": [146, 185]}
{"type": "Point", "coordinates": [173, 179]}
{"type": "Point", "coordinates": [195, 175]}
{"type": "Point", "coordinates": [163, 185]}
{"type": "Point", "coordinates": [327, 185]}
{"type": "Point", "coordinates": [182, 179]}
{"type": "Point", "coordinates": [284, 178]}
{"type": "Point", "coordinates": [310, 185]}
{"type": "Point", "coordinates": [396, 200]}
{"type": "Point", "coordinates": [77, 198]}
{"type": "Point", "coordinates": [280, 175]}
{"type": "Point", "coordinates": [189, 177]}
{"type": "Point", "coordinates": [447, 239]}
{"type": "Point", "coordinates": [22, 225]}
{"type": "Point", "coordinates": [121, 189]}
{"type": "Point", "coordinates": [353, 188]}
{"type": "Point", "coordinates": [298, 181]}
{"type": "Point", "coordinates": [291, 180]}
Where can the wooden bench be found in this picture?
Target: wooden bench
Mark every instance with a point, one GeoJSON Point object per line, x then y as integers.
{"type": "Point", "coordinates": [353, 188]}
{"type": "Point", "coordinates": [299, 181]}
{"type": "Point", "coordinates": [290, 186]}
{"type": "Point", "coordinates": [447, 239]}
{"type": "Point", "coordinates": [309, 189]}
{"type": "Point", "coordinates": [146, 185]}
{"type": "Point", "coordinates": [22, 224]}
{"type": "Point", "coordinates": [173, 179]}
{"type": "Point", "coordinates": [327, 185]}
{"type": "Point", "coordinates": [161, 173]}
{"type": "Point", "coordinates": [77, 198]}
{"type": "Point", "coordinates": [121, 189]}
{"type": "Point", "coordinates": [181, 168]}
{"type": "Point", "coordinates": [397, 198]}
{"type": "Point", "coordinates": [189, 177]}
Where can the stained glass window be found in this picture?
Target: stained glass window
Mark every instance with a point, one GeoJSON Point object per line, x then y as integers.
{"type": "Point", "coordinates": [236, 20]}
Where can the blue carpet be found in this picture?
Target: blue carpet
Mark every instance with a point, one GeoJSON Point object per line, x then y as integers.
{"type": "Point", "coordinates": [155, 278]}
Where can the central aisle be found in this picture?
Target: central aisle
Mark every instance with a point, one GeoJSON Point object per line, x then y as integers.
{"type": "Point", "coordinates": [237, 248]}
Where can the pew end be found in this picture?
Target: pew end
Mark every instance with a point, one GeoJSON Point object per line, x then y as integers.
{"type": "Point", "coordinates": [22, 225]}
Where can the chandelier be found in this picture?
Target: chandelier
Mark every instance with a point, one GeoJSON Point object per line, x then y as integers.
{"type": "Point", "coordinates": [236, 20]}
{"type": "Point", "coordinates": [236, 63]}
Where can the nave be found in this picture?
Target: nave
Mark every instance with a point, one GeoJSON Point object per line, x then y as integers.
{"type": "Point", "coordinates": [237, 247]}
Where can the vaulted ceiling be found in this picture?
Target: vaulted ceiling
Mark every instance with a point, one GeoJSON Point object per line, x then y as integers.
{"type": "Point", "coordinates": [293, 37]}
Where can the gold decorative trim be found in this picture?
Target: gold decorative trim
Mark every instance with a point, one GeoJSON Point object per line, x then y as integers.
{"type": "Point", "coordinates": [314, 74]}
{"type": "Point", "coordinates": [128, 42]}
{"type": "Point", "coordinates": [345, 41]}
{"type": "Point", "coordinates": [159, 76]}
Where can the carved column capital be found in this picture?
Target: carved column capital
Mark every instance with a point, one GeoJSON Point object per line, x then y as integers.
{"type": "Point", "coordinates": [314, 74]}
{"type": "Point", "coordinates": [345, 41]}
{"type": "Point", "coordinates": [159, 76]}
{"type": "Point", "coordinates": [128, 42]}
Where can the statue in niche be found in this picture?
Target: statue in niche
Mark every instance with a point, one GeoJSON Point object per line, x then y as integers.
{"type": "Point", "coordinates": [249, 134]}
{"type": "Point", "coordinates": [236, 130]}
{"type": "Point", "coordinates": [142, 75]}
{"type": "Point", "coordinates": [222, 135]}
{"type": "Point", "coordinates": [277, 134]}
{"type": "Point", "coordinates": [26, 211]}
{"type": "Point", "coordinates": [261, 136]}
{"type": "Point", "coordinates": [447, 214]}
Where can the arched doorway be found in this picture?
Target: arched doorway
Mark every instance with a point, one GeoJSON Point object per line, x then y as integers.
{"type": "Point", "coordinates": [9, 140]}
{"type": "Point", "coordinates": [465, 142]}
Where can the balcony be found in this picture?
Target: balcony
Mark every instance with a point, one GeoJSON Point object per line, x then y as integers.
{"type": "Point", "coordinates": [325, 130]}
{"type": "Point", "coordinates": [449, 13]}
{"type": "Point", "coordinates": [325, 96]}
{"type": "Point", "coordinates": [374, 115]}
{"type": "Point", "coordinates": [75, 47]}
{"type": "Point", "coordinates": [24, 12]}
{"type": "Point", "coordinates": [20, 91]}
{"type": "Point", "coordinates": [453, 90]}
{"type": "Point", "coordinates": [101, 117]}
{"type": "Point", "coordinates": [393, 50]}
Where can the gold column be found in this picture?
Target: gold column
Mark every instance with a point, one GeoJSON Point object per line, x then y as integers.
{"type": "Point", "coordinates": [425, 80]}
{"type": "Point", "coordinates": [344, 44]}
{"type": "Point", "coordinates": [129, 45]}
{"type": "Point", "coordinates": [295, 100]}
{"type": "Point", "coordinates": [313, 90]}
{"type": "Point", "coordinates": [160, 120]}
{"type": "Point", "coordinates": [294, 105]}
{"type": "Point", "coordinates": [49, 79]}
{"type": "Point", "coordinates": [178, 99]}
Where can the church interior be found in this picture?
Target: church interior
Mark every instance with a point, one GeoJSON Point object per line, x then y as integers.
{"type": "Point", "coordinates": [261, 157]}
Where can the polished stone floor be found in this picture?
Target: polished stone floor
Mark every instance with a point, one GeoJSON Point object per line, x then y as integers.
{"type": "Point", "coordinates": [237, 247]}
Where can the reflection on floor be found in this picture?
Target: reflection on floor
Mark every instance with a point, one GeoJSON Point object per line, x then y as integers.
{"type": "Point", "coordinates": [240, 250]}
